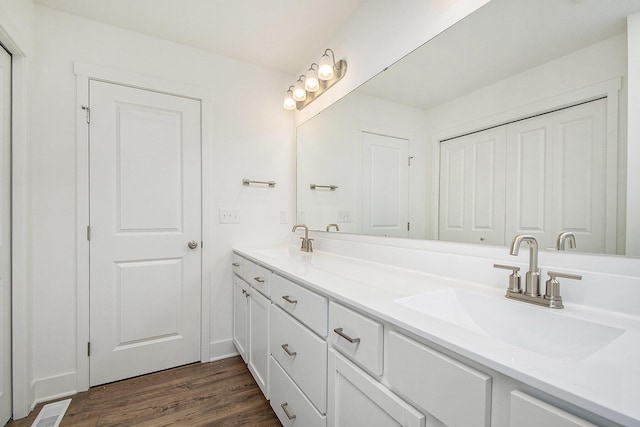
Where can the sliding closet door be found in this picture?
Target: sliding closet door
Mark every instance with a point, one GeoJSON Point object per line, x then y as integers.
{"type": "Point", "coordinates": [5, 236]}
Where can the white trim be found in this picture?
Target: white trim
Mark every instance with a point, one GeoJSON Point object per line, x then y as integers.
{"type": "Point", "coordinates": [608, 88]}
{"type": "Point", "coordinates": [21, 333]}
{"type": "Point", "coordinates": [47, 389]}
{"type": "Point", "coordinates": [84, 73]}
{"type": "Point", "coordinates": [222, 350]}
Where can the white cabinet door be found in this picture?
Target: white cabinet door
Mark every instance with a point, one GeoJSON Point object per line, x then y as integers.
{"type": "Point", "coordinates": [385, 185]}
{"type": "Point", "coordinates": [472, 188]}
{"type": "Point", "coordinates": [241, 317]}
{"type": "Point", "coordinates": [527, 411]}
{"type": "Point", "coordinates": [259, 339]}
{"type": "Point", "coordinates": [355, 399]}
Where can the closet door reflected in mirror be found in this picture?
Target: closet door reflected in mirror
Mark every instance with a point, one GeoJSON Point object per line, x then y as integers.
{"type": "Point", "coordinates": [538, 176]}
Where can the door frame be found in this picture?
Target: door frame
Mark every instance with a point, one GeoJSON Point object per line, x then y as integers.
{"type": "Point", "coordinates": [86, 72]}
{"type": "Point", "coordinates": [17, 46]}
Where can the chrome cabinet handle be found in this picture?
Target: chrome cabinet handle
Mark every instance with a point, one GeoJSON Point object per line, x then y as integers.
{"type": "Point", "coordinates": [285, 347]}
{"type": "Point", "coordinates": [286, 412]}
{"type": "Point", "coordinates": [235, 264]}
{"type": "Point", "coordinates": [193, 244]}
{"type": "Point", "coordinates": [258, 279]}
{"type": "Point", "coordinates": [289, 300]}
{"type": "Point", "coordinates": [345, 336]}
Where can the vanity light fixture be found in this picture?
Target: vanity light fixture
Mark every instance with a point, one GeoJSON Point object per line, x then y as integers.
{"type": "Point", "coordinates": [299, 93]}
{"type": "Point", "coordinates": [318, 79]}
{"type": "Point", "coordinates": [289, 102]}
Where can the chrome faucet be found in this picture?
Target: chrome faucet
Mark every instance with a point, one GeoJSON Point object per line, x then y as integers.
{"type": "Point", "coordinates": [532, 278]}
{"type": "Point", "coordinates": [531, 294]}
{"type": "Point", "coordinates": [306, 241]}
{"type": "Point", "coordinates": [333, 225]}
{"type": "Point", "coordinates": [565, 236]}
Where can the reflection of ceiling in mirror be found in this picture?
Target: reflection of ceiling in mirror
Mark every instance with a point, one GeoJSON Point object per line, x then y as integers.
{"type": "Point", "coordinates": [515, 34]}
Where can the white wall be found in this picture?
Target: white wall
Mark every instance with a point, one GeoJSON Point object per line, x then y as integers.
{"type": "Point", "coordinates": [17, 20]}
{"type": "Point", "coordinates": [252, 137]}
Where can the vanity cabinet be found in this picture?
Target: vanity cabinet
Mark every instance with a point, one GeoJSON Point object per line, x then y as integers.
{"type": "Point", "coordinates": [251, 316]}
{"type": "Point", "coordinates": [241, 316]}
{"type": "Point", "coordinates": [454, 393]}
{"type": "Point", "coordinates": [527, 411]}
{"type": "Point", "coordinates": [356, 399]}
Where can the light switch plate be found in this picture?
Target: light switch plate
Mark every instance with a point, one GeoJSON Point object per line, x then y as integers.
{"type": "Point", "coordinates": [229, 216]}
{"type": "Point", "coordinates": [344, 216]}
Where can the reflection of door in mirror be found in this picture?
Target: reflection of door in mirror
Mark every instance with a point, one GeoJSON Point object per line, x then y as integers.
{"type": "Point", "coordinates": [552, 179]}
{"type": "Point", "coordinates": [385, 185]}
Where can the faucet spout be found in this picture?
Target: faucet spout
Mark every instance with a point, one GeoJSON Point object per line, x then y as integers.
{"type": "Point", "coordinates": [532, 278]}
{"type": "Point", "coordinates": [563, 237]}
{"type": "Point", "coordinates": [306, 241]}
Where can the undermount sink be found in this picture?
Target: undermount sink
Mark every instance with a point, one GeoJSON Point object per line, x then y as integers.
{"type": "Point", "coordinates": [536, 329]}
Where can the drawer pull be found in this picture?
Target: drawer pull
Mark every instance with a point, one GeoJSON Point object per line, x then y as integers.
{"type": "Point", "coordinates": [289, 300]}
{"type": "Point", "coordinates": [285, 347]}
{"type": "Point", "coordinates": [345, 336]}
{"type": "Point", "coordinates": [258, 279]}
{"type": "Point", "coordinates": [286, 412]}
{"type": "Point", "coordinates": [235, 264]}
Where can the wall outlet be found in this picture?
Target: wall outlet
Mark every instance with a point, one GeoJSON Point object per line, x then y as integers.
{"type": "Point", "coordinates": [344, 216]}
{"type": "Point", "coordinates": [229, 216]}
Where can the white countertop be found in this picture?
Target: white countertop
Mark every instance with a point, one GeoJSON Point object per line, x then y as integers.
{"type": "Point", "coordinates": [605, 382]}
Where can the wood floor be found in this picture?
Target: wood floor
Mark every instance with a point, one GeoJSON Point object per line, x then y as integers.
{"type": "Point", "coordinates": [221, 393]}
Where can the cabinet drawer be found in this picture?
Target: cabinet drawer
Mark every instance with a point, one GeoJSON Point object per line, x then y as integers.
{"type": "Point", "coordinates": [289, 403]}
{"type": "Point", "coordinates": [303, 304]}
{"type": "Point", "coordinates": [357, 337]}
{"type": "Point", "coordinates": [302, 354]}
{"type": "Point", "coordinates": [527, 411]}
{"type": "Point", "coordinates": [237, 263]}
{"type": "Point", "coordinates": [261, 280]}
{"type": "Point", "coordinates": [452, 392]}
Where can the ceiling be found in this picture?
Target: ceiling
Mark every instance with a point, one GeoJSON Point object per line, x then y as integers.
{"type": "Point", "coordinates": [278, 34]}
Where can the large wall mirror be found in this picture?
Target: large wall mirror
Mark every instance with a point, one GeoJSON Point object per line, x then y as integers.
{"type": "Point", "coordinates": [512, 121]}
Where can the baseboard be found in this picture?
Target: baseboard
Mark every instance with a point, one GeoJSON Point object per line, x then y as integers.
{"type": "Point", "coordinates": [55, 387]}
{"type": "Point", "coordinates": [221, 350]}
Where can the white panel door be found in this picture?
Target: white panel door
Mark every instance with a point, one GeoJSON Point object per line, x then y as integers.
{"type": "Point", "coordinates": [472, 188]}
{"type": "Point", "coordinates": [145, 198]}
{"type": "Point", "coordinates": [557, 170]}
{"type": "Point", "coordinates": [5, 236]}
{"type": "Point", "coordinates": [385, 185]}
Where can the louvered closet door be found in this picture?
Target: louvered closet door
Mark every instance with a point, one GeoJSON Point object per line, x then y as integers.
{"type": "Point", "coordinates": [145, 170]}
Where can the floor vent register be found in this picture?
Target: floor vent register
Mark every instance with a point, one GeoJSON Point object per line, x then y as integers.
{"type": "Point", "coordinates": [51, 414]}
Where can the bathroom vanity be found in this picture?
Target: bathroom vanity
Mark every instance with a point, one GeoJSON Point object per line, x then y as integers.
{"type": "Point", "coordinates": [342, 341]}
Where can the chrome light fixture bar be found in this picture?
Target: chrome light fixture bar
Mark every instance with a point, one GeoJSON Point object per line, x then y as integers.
{"type": "Point", "coordinates": [318, 79]}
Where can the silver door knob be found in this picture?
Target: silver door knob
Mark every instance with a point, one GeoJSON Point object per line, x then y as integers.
{"type": "Point", "coordinates": [193, 244]}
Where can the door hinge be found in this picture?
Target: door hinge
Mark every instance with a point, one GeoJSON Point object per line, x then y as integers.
{"type": "Point", "coordinates": [88, 232]}
{"type": "Point", "coordinates": [89, 349]}
{"type": "Point", "coordinates": [408, 226]}
{"type": "Point", "coordinates": [88, 112]}
{"type": "Point", "coordinates": [410, 157]}
{"type": "Point", "coordinates": [201, 244]}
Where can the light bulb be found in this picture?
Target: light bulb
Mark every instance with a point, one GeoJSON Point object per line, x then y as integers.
{"type": "Point", "coordinates": [311, 83]}
{"type": "Point", "coordinates": [299, 94]}
{"type": "Point", "coordinates": [325, 69]}
{"type": "Point", "coordinates": [289, 102]}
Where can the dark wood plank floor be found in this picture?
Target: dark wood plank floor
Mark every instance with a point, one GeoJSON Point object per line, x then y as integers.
{"type": "Point", "coordinates": [221, 393]}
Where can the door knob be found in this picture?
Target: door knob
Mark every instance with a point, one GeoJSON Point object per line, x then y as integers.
{"type": "Point", "coordinates": [193, 244]}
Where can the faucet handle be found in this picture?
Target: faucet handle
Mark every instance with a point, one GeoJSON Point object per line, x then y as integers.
{"type": "Point", "coordinates": [552, 292]}
{"type": "Point", "coordinates": [514, 278]}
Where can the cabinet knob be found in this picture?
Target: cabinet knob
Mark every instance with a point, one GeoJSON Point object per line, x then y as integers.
{"type": "Point", "coordinates": [284, 407]}
{"type": "Point", "coordinates": [285, 347]}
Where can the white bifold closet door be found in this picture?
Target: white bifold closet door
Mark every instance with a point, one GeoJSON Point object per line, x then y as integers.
{"type": "Point", "coordinates": [145, 214]}
{"type": "Point", "coordinates": [5, 236]}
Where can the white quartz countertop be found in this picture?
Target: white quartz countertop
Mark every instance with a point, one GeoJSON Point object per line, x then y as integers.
{"type": "Point", "coordinates": [602, 377]}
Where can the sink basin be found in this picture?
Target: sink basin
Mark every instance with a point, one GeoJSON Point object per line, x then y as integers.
{"type": "Point", "coordinates": [533, 328]}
